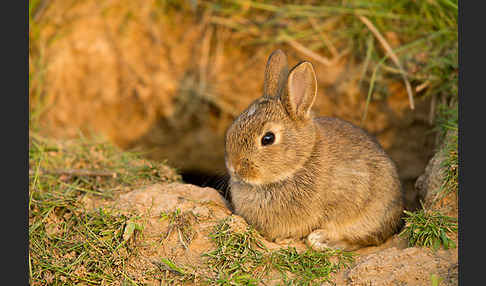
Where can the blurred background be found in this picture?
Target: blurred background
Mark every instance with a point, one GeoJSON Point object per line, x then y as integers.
{"type": "Point", "coordinates": [166, 78]}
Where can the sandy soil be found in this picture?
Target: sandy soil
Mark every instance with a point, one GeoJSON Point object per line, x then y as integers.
{"type": "Point", "coordinates": [392, 263]}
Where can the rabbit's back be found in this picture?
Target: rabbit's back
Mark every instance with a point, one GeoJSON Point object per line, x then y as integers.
{"type": "Point", "coordinates": [347, 150]}
{"type": "Point", "coordinates": [358, 185]}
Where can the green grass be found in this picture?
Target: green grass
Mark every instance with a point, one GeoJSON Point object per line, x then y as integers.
{"type": "Point", "coordinates": [69, 244]}
{"type": "Point", "coordinates": [429, 228]}
{"type": "Point", "coordinates": [309, 267]}
{"type": "Point", "coordinates": [240, 258]}
{"type": "Point", "coordinates": [426, 32]}
{"type": "Point", "coordinates": [237, 258]}
{"type": "Point", "coordinates": [49, 159]}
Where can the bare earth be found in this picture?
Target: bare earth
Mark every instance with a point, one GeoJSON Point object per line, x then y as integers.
{"type": "Point", "coordinates": [392, 263]}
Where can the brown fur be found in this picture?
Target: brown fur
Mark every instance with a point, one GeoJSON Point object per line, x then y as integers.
{"type": "Point", "coordinates": [323, 178]}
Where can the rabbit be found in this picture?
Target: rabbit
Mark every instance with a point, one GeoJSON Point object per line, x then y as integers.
{"type": "Point", "coordinates": [296, 176]}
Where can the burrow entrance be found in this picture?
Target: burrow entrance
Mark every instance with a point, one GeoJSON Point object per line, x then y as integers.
{"type": "Point", "coordinates": [203, 179]}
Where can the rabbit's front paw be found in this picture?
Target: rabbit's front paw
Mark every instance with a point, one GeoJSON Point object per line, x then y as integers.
{"type": "Point", "coordinates": [318, 240]}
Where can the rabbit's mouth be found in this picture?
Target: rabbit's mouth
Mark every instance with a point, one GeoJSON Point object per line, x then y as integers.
{"type": "Point", "coordinates": [242, 171]}
{"type": "Point", "coordinates": [235, 179]}
{"type": "Point", "coordinates": [257, 177]}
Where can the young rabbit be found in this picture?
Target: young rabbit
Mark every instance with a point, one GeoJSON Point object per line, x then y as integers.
{"type": "Point", "coordinates": [294, 175]}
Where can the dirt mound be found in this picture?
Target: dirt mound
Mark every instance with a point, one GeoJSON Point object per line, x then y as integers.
{"type": "Point", "coordinates": [410, 266]}
{"type": "Point", "coordinates": [178, 219]}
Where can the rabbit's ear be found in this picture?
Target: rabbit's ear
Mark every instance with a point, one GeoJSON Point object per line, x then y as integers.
{"type": "Point", "coordinates": [301, 91]}
{"type": "Point", "coordinates": [276, 73]}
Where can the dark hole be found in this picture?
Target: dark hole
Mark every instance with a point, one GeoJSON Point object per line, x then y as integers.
{"type": "Point", "coordinates": [218, 182]}
{"type": "Point", "coordinates": [412, 201]}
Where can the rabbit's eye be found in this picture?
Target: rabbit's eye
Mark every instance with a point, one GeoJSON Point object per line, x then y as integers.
{"type": "Point", "coordinates": [268, 138]}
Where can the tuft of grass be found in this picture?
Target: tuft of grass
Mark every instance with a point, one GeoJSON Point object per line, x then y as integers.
{"type": "Point", "coordinates": [309, 267]}
{"type": "Point", "coordinates": [429, 228]}
{"type": "Point", "coordinates": [242, 259]}
{"type": "Point", "coordinates": [238, 257]}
